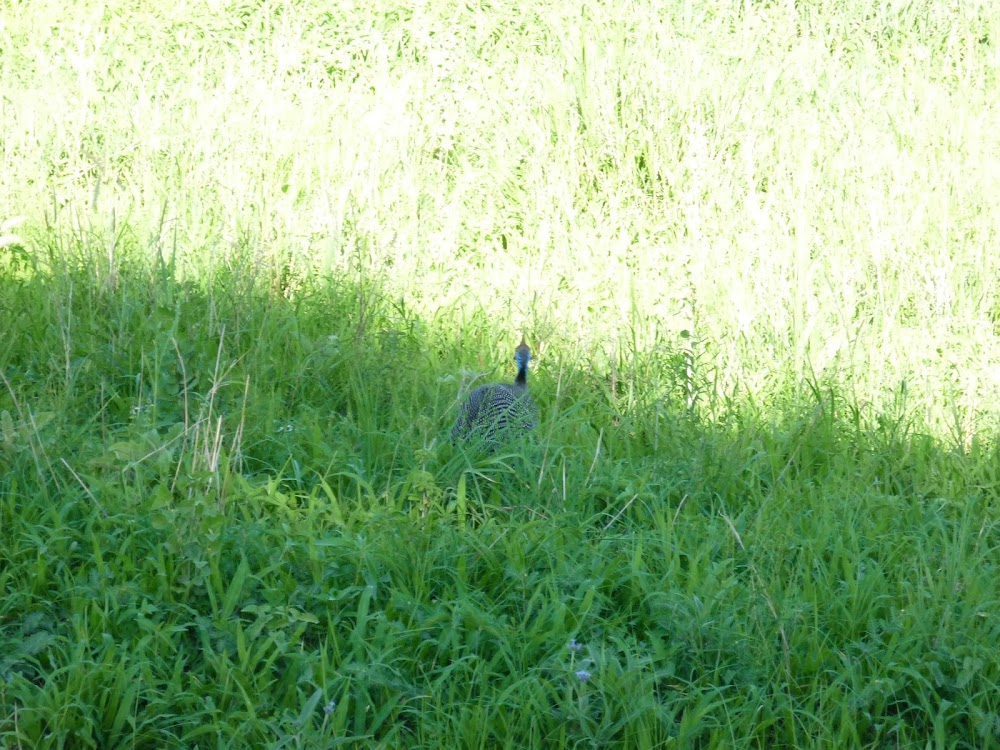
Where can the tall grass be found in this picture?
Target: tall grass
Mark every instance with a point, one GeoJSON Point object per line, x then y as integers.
{"type": "Point", "coordinates": [252, 252]}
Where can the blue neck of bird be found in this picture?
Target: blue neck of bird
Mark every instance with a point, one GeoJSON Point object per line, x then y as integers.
{"type": "Point", "coordinates": [522, 372]}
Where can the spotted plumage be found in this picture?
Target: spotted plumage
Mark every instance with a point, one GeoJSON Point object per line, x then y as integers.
{"type": "Point", "coordinates": [498, 411]}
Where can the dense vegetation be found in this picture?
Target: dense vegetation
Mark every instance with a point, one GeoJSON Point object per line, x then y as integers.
{"type": "Point", "coordinates": [254, 253]}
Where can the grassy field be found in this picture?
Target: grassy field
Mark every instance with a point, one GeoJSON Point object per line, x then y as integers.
{"type": "Point", "coordinates": [253, 253]}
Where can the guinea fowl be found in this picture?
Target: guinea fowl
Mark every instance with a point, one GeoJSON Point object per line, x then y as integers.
{"type": "Point", "coordinates": [496, 412]}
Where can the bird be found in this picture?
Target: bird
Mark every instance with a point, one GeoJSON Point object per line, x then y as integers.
{"type": "Point", "coordinates": [498, 411]}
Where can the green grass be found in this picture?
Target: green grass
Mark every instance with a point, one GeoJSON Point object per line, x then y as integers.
{"type": "Point", "coordinates": [252, 254]}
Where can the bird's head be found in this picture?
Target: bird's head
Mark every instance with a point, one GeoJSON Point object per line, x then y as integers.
{"type": "Point", "coordinates": [522, 355]}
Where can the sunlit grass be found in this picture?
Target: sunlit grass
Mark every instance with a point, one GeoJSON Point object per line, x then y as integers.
{"type": "Point", "coordinates": [251, 253]}
{"type": "Point", "coordinates": [808, 189]}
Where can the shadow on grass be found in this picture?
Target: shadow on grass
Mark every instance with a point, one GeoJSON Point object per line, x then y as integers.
{"type": "Point", "coordinates": [229, 508]}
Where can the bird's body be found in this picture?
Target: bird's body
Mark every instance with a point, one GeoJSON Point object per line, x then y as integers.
{"type": "Point", "coordinates": [497, 411]}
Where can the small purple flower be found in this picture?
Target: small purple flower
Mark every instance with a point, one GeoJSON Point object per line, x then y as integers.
{"type": "Point", "coordinates": [328, 708]}
{"type": "Point", "coordinates": [583, 675]}
{"type": "Point", "coordinates": [574, 646]}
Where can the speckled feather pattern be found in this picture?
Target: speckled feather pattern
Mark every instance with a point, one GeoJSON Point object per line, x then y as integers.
{"type": "Point", "coordinates": [498, 410]}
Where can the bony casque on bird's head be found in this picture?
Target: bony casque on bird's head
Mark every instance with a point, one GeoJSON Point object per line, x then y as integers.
{"type": "Point", "coordinates": [497, 412]}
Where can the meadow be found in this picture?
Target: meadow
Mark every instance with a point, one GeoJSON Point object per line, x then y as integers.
{"type": "Point", "coordinates": [253, 253]}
